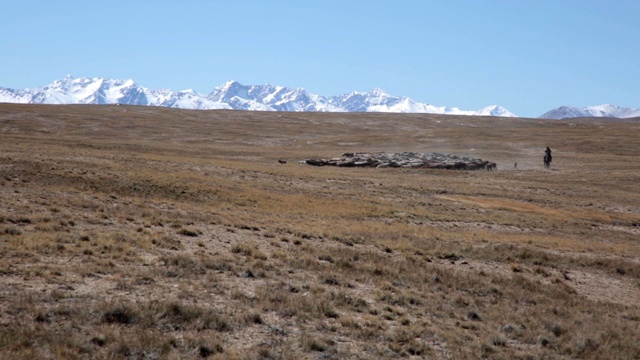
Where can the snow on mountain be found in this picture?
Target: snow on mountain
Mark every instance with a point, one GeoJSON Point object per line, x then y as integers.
{"type": "Point", "coordinates": [84, 90]}
{"type": "Point", "coordinates": [90, 91]}
{"type": "Point", "coordinates": [606, 110]}
{"type": "Point", "coordinates": [377, 100]}
{"type": "Point", "coordinates": [185, 99]}
{"type": "Point", "coordinates": [494, 110]}
{"type": "Point", "coordinates": [563, 112]}
{"type": "Point", "coordinates": [269, 97]}
{"type": "Point", "coordinates": [15, 96]}
{"type": "Point", "coordinates": [231, 95]}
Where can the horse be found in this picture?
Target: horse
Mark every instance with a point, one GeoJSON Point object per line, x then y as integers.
{"type": "Point", "coordinates": [547, 161]}
{"type": "Point", "coordinates": [492, 166]}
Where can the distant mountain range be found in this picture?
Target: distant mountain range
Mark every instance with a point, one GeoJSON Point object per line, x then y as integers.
{"type": "Point", "coordinates": [611, 111]}
{"type": "Point", "coordinates": [233, 95]}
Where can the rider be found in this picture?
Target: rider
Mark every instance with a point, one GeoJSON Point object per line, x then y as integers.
{"type": "Point", "coordinates": [548, 153]}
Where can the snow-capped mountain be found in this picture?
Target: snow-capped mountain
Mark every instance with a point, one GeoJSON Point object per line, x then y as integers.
{"type": "Point", "coordinates": [231, 95]}
{"type": "Point", "coordinates": [84, 90]}
{"type": "Point", "coordinates": [269, 97]}
{"type": "Point", "coordinates": [280, 98]}
{"type": "Point", "coordinates": [607, 110]}
{"type": "Point", "coordinates": [377, 100]}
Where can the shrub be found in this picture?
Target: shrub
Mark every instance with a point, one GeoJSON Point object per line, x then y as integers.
{"type": "Point", "coordinates": [119, 315]}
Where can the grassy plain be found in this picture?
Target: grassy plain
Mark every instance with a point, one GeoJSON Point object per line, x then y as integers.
{"type": "Point", "coordinates": [153, 233]}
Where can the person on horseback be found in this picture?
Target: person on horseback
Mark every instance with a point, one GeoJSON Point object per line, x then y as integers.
{"type": "Point", "coordinates": [547, 158]}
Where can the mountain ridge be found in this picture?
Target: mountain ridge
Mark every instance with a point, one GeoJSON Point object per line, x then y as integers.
{"type": "Point", "coordinates": [604, 111]}
{"type": "Point", "coordinates": [267, 97]}
{"type": "Point", "coordinates": [230, 95]}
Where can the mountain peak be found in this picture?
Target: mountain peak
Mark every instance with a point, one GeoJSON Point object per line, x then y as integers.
{"type": "Point", "coordinates": [231, 83]}
{"type": "Point", "coordinates": [377, 92]}
{"type": "Point", "coordinates": [495, 110]}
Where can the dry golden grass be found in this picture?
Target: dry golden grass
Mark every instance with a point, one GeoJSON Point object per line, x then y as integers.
{"type": "Point", "coordinates": [149, 233]}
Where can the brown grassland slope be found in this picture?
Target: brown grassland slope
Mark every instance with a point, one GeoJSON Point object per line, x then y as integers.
{"type": "Point", "coordinates": [153, 233]}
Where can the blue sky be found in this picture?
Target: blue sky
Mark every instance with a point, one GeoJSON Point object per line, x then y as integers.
{"type": "Point", "coordinates": [527, 55]}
